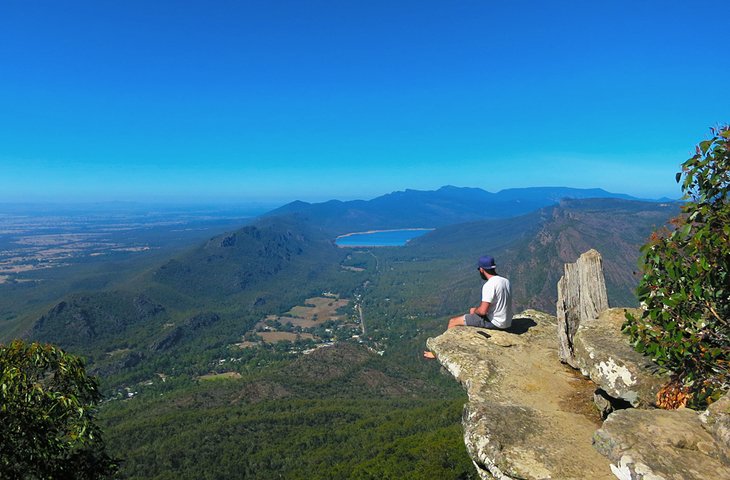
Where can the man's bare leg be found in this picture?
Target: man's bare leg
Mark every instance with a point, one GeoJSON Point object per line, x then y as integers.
{"type": "Point", "coordinates": [454, 322]}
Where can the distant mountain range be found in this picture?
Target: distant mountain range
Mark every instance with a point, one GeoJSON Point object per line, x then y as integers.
{"type": "Point", "coordinates": [446, 206]}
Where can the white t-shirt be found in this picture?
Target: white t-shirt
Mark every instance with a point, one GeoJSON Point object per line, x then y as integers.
{"type": "Point", "coordinates": [498, 293]}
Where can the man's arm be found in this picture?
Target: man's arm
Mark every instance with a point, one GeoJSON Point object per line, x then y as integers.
{"type": "Point", "coordinates": [482, 309]}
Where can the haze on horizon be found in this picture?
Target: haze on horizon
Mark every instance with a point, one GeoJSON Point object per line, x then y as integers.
{"type": "Point", "coordinates": [237, 101]}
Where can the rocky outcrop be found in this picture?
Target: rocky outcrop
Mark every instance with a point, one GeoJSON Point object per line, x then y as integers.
{"type": "Point", "coordinates": [605, 355]}
{"type": "Point", "coordinates": [528, 416]}
{"type": "Point", "coordinates": [531, 417]}
{"type": "Point", "coordinates": [581, 297]}
{"type": "Point", "coordinates": [590, 338]}
{"type": "Point", "coordinates": [661, 445]}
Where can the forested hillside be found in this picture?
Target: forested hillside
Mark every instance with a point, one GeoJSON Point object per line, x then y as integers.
{"type": "Point", "coordinates": [341, 412]}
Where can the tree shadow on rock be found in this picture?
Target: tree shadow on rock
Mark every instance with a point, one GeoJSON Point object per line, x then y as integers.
{"type": "Point", "coordinates": [521, 325]}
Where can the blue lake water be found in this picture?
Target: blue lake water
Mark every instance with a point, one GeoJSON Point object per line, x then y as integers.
{"type": "Point", "coordinates": [382, 238]}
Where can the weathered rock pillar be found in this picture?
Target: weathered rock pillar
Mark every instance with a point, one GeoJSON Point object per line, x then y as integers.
{"type": "Point", "coordinates": [581, 297]}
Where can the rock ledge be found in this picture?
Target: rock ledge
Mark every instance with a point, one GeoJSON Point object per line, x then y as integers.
{"type": "Point", "coordinates": [524, 418]}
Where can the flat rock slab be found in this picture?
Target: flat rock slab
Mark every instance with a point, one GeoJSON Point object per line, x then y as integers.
{"type": "Point", "coordinates": [661, 445]}
{"type": "Point", "coordinates": [528, 415]}
{"type": "Point", "coordinates": [604, 354]}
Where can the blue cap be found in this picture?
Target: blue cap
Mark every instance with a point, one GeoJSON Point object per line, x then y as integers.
{"type": "Point", "coordinates": [487, 263]}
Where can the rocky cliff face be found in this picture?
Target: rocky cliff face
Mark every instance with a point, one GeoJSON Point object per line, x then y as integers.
{"type": "Point", "coordinates": [530, 416]}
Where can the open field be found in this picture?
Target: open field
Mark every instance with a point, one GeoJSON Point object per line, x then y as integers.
{"type": "Point", "coordinates": [299, 322]}
{"type": "Point", "coordinates": [273, 337]}
{"type": "Point", "coordinates": [318, 308]}
{"type": "Point", "coordinates": [314, 313]}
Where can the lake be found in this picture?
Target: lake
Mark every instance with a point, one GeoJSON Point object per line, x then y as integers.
{"type": "Point", "coordinates": [380, 238]}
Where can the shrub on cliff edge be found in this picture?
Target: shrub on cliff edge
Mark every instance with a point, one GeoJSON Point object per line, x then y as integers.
{"type": "Point", "coordinates": [685, 287]}
{"type": "Point", "coordinates": [47, 429]}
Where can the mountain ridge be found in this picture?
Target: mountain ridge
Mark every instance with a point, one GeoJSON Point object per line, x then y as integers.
{"type": "Point", "coordinates": [433, 208]}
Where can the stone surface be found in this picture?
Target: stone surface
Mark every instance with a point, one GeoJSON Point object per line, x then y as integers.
{"type": "Point", "coordinates": [660, 445]}
{"type": "Point", "coordinates": [604, 354]}
{"type": "Point", "coordinates": [581, 297]}
{"type": "Point", "coordinates": [716, 420]}
{"type": "Point", "coordinates": [528, 415]}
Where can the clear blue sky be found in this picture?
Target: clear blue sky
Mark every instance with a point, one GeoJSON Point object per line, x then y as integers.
{"type": "Point", "coordinates": [272, 100]}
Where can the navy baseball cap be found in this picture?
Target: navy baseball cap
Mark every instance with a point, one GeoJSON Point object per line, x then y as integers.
{"type": "Point", "coordinates": [487, 263]}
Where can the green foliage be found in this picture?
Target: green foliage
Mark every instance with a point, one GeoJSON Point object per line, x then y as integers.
{"type": "Point", "coordinates": [325, 438]}
{"type": "Point", "coordinates": [686, 282]}
{"type": "Point", "coordinates": [339, 412]}
{"type": "Point", "coordinates": [47, 427]}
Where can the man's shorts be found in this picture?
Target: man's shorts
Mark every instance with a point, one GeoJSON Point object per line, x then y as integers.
{"type": "Point", "coordinates": [474, 320]}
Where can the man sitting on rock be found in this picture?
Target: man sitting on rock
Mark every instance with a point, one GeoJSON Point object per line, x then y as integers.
{"type": "Point", "coordinates": [495, 309]}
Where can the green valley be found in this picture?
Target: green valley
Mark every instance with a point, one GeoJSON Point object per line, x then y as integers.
{"type": "Point", "coordinates": [269, 352]}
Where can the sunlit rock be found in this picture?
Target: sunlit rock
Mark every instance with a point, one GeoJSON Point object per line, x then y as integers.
{"type": "Point", "coordinates": [604, 354]}
{"type": "Point", "coordinates": [660, 444]}
{"type": "Point", "coordinates": [528, 415]}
